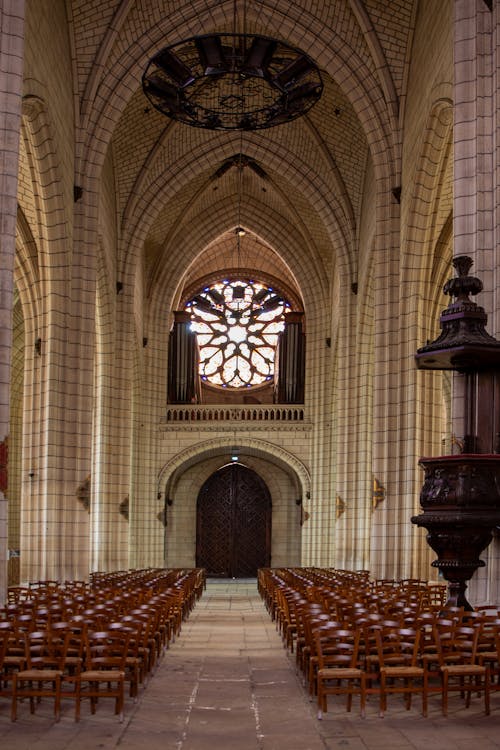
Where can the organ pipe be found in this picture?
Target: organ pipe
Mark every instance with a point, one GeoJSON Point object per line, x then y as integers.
{"type": "Point", "coordinates": [289, 386]}
{"type": "Point", "coordinates": [182, 361]}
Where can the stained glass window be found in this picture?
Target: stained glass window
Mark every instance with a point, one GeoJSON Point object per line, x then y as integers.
{"type": "Point", "coordinates": [237, 325]}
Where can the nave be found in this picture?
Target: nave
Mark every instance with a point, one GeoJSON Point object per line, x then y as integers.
{"type": "Point", "coordinates": [228, 682]}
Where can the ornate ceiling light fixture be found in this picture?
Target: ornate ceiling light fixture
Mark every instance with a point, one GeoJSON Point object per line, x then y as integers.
{"type": "Point", "coordinates": [231, 81]}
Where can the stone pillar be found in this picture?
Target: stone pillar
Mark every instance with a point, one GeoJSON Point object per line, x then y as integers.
{"type": "Point", "coordinates": [390, 515]}
{"type": "Point", "coordinates": [476, 211]}
{"type": "Point", "coordinates": [11, 65]}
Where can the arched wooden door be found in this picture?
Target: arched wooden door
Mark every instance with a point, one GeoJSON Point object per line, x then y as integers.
{"type": "Point", "coordinates": [233, 523]}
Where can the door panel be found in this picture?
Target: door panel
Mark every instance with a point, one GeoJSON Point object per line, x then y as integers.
{"type": "Point", "coordinates": [233, 525]}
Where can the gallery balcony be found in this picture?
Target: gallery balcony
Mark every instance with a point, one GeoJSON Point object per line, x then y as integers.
{"type": "Point", "coordinates": [253, 417]}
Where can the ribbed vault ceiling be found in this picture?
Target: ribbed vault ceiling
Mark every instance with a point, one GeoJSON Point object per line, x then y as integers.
{"type": "Point", "coordinates": [303, 184]}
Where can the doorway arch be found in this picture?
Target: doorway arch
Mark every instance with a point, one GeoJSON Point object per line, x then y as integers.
{"type": "Point", "coordinates": [233, 523]}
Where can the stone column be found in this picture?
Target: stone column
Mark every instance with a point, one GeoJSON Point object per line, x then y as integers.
{"type": "Point", "coordinates": [11, 67]}
{"type": "Point", "coordinates": [476, 202]}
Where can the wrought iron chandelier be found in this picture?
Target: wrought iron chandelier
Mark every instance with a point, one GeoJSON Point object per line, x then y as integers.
{"type": "Point", "coordinates": [232, 81]}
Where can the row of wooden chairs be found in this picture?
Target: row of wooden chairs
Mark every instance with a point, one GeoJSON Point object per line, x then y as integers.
{"type": "Point", "coordinates": [110, 642]}
{"type": "Point", "coordinates": [343, 669]}
{"type": "Point", "coordinates": [350, 647]}
{"type": "Point", "coordinates": [70, 666]}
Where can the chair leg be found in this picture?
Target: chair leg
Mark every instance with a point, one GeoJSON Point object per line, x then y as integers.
{"type": "Point", "coordinates": [383, 696]}
{"type": "Point", "coordinates": [320, 700]}
{"type": "Point", "coordinates": [363, 697]}
{"type": "Point", "coordinates": [444, 698]}
{"type": "Point", "coordinates": [407, 684]}
{"type": "Point", "coordinates": [57, 700]}
{"type": "Point", "coordinates": [77, 704]}
{"type": "Point", "coordinates": [425, 687]}
{"type": "Point", "coordinates": [13, 709]}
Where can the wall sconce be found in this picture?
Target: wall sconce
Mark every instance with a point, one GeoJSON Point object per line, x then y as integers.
{"type": "Point", "coordinates": [162, 518]}
{"type": "Point", "coordinates": [339, 507]}
{"type": "Point", "coordinates": [124, 508]}
{"type": "Point", "coordinates": [378, 493]}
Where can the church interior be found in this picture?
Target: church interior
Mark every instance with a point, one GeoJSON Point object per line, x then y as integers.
{"type": "Point", "coordinates": [210, 321]}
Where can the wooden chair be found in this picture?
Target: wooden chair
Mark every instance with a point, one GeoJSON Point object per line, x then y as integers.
{"type": "Point", "coordinates": [304, 612]}
{"type": "Point", "coordinates": [163, 621]}
{"type": "Point", "coordinates": [105, 667]}
{"type": "Point", "coordinates": [338, 668]}
{"type": "Point", "coordinates": [4, 674]}
{"type": "Point", "coordinates": [44, 657]}
{"type": "Point", "coordinates": [151, 637]}
{"type": "Point", "coordinates": [369, 654]}
{"type": "Point", "coordinates": [136, 660]}
{"type": "Point", "coordinates": [398, 654]}
{"type": "Point", "coordinates": [488, 652]}
{"type": "Point", "coordinates": [441, 631]}
{"type": "Point", "coordinates": [312, 624]}
{"type": "Point", "coordinates": [285, 621]}
{"type": "Point", "coordinates": [459, 667]}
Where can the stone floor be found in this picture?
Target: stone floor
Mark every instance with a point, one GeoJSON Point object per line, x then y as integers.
{"type": "Point", "coordinates": [227, 683]}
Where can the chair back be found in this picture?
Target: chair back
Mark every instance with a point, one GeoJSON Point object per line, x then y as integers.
{"type": "Point", "coordinates": [398, 646]}
{"type": "Point", "coordinates": [4, 643]}
{"type": "Point", "coordinates": [107, 649]}
{"type": "Point", "coordinates": [337, 647]}
{"type": "Point", "coordinates": [44, 649]}
{"type": "Point", "coordinates": [459, 646]}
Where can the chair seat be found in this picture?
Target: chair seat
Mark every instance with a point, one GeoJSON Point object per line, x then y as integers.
{"type": "Point", "coordinates": [337, 673]}
{"type": "Point", "coordinates": [14, 660]}
{"type": "Point", "coordinates": [101, 674]}
{"type": "Point", "coordinates": [73, 662]}
{"type": "Point", "coordinates": [38, 674]}
{"type": "Point", "coordinates": [401, 671]}
{"type": "Point", "coordinates": [463, 669]}
{"type": "Point", "coordinates": [490, 655]}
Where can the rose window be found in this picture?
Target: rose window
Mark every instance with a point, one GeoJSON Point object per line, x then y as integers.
{"type": "Point", "coordinates": [237, 325]}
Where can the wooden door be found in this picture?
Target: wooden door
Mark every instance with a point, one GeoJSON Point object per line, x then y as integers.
{"type": "Point", "coordinates": [233, 523]}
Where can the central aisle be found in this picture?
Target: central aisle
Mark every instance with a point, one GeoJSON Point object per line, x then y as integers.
{"type": "Point", "coordinates": [227, 681]}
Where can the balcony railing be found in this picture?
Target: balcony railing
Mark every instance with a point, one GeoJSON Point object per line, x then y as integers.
{"type": "Point", "coordinates": [255, 416]}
